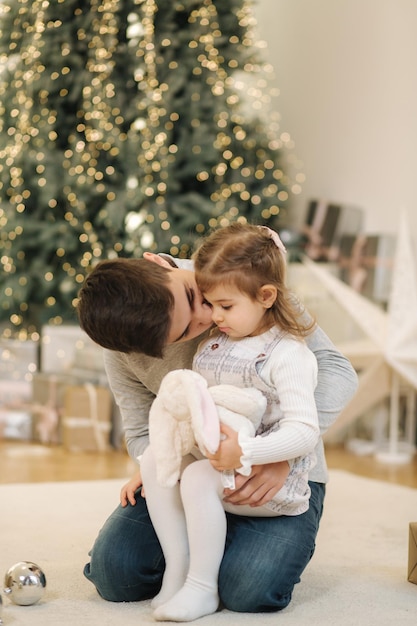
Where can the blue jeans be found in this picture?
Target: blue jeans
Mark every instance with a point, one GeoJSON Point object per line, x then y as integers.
{"type": "Point", "coordinates": [263, 560]}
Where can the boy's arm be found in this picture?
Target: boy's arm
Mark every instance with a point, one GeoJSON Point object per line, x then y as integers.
{"type": "Point", "coordinates": [134, 380]}
{"type": "Point", "coordinates": [337, 381]}
{"type": "Point", "coordinates": [336, 385]}
{"type": "Point", "coordinates": [132, 398]}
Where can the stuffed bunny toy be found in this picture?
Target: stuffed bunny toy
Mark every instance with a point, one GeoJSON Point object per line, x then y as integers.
{"type": "Point", "coordinates": [186, 413]}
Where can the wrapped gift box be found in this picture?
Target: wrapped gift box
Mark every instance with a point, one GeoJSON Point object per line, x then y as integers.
{"type": "Point", "coordinates": [15, 393]}
{"type": "Point", "coordinates": [366, 263]}
{"type": "Point", "coordinates": [86, 417]}
{"type": "Point", "coordinates": [66, 347]}
{"type": "Point", "coordinates": [320, 227]}
{"type": "Point", "coordinates": [18, 361]}
{"type": "Point", "coordinates": [412, 553]}
{"type": "Point", "coordinates": [325, 224]}
{"type": "Point", "coordinates": [48, 391]}
{"type": "Point", "coordinates": [15, 424]}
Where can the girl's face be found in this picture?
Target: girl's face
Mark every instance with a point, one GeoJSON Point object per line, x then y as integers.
{"type": "Point", "coordinates": [238, 315]}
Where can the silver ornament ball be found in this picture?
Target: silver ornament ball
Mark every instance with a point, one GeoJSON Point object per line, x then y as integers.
{"type": "Point", "coordinates": [24, 583]}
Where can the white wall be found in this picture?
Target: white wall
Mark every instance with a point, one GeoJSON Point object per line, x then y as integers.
{"type": "Point", "coordinates": [347, 75]}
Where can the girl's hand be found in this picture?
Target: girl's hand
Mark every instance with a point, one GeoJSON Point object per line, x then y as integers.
{"type": "Point", "coordinates": [228, 455]}
{"type": "Point", "coordinates": [127, 492]}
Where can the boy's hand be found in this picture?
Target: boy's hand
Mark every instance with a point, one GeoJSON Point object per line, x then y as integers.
{"type": "Point", "coordinates": [127, 492]}
{"type": "Point", "coordinates": [260, 487]}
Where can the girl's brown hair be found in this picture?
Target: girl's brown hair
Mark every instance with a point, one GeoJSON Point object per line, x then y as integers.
{"type": "Point", "coordinates": [245, 256]}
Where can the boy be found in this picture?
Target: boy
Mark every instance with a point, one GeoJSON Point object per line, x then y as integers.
{"type": "Point", "coordinates": [150, 317]}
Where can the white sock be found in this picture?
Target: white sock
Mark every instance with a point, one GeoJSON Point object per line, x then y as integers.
{"type": "Point", "coordinates": [201, 492]}
{"type": "Point", "coordinates": [191, 602]}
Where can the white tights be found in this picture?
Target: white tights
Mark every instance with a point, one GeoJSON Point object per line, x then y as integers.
{"type": "Point", "coordinates": [190, 522]}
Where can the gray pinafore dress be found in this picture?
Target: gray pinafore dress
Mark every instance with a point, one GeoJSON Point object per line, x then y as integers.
{"type": "Point", "coordinates": [224, 360]}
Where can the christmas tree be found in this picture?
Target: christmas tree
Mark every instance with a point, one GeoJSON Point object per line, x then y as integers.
{"type": "Point", "coordinates": [126, 125]}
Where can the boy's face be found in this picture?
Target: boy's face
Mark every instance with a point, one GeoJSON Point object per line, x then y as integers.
{"type": "Point", "coordinates": [191, 315]}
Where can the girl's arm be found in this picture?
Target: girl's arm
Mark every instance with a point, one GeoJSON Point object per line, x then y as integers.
{"type": "Point", "coordinates": [292, 371]}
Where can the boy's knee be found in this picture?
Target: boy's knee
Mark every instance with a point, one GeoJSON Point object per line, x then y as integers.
{"type": "Point", "coordinates": [106, 587]}
{"type": "Point", "coordinates": [257, 601]}
{"type": "Point", "coordinates": [114, 582]}
{"type": "Point", "coordinates": [260, 591]}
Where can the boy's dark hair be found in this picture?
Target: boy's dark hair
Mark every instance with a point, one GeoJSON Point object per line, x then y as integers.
{"type": "Point", "coordinates": [125, 305]}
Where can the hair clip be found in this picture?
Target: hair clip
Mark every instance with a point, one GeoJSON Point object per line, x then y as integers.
{"type": "Point", "coordinates": [275, 238]}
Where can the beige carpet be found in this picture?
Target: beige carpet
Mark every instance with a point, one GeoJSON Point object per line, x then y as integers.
{"type": "Point", "coordinates": [358, 576]}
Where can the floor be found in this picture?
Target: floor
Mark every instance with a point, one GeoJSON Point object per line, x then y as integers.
{"type": "Point", "coordinates": [22, 462]}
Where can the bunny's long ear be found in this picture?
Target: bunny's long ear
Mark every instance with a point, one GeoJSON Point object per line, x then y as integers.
{"type": "Point", "coordinates": [204, 416]}
{"type": "Point", "coordinates": [164, 439]}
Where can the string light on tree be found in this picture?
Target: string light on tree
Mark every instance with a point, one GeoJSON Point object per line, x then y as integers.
{"type": "Point", "coordinates": [240, 145]}
{"type": "Point", "coordinates": [126, 126]}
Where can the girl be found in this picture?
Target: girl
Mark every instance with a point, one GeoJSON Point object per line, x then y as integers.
{"type": "Point", "coordinates": [258, 342]}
